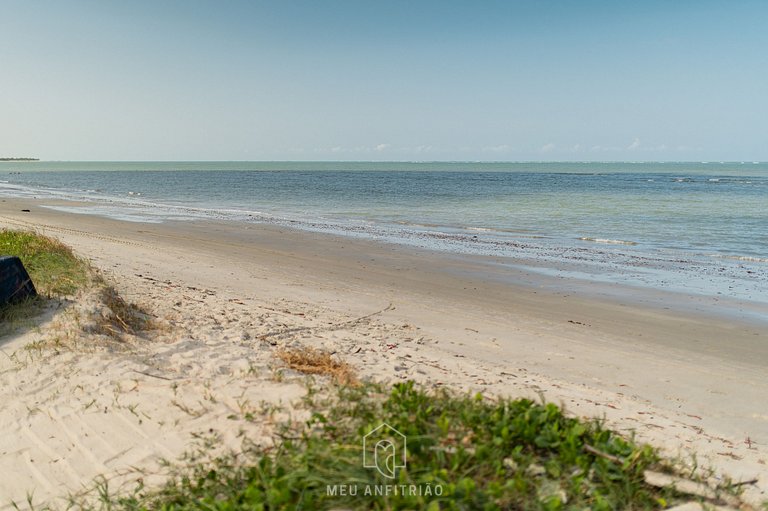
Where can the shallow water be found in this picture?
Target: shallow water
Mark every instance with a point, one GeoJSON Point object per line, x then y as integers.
{"type": "Point", "coordinates": [699, 227]}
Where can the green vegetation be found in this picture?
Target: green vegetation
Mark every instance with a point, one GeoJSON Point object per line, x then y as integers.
{"type": "Point", "coordinates": [474, 452]}
{"type": "Point", "coordinates": [55, 270]}
{"type": "Point", "coordinates": [58, 273]}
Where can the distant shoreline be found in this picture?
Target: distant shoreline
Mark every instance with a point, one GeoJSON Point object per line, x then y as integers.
{"type": "Point", "coordinates": [480, 162]}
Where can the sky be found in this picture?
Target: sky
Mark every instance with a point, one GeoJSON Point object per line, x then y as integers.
{"type": "Point", "coordinates": [401, 80]}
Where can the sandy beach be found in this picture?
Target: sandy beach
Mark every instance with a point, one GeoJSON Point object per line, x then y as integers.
{"type": "Point", "coordinates": [683, 372]}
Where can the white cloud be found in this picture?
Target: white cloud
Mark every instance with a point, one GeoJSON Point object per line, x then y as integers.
{"type": "Point", "coordinates": [636, 145]}
{"type": "Point", "coordinates": [503, 148]}
{"type": "Point", "coordinates": [605, 149]}
{"type": "Point", "coordinates": [352, 150]}
{"type": "Point", "coordinates": [547, 147]}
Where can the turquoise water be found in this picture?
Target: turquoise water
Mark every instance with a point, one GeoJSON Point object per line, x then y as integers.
{"type": "Point", "coordinates": [627, 215]}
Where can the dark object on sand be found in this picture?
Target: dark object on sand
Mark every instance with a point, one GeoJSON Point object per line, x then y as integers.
{"type": "Point", "coordinates": [15, 283]}
{"type": "Point", "coordinates": [25, 211]}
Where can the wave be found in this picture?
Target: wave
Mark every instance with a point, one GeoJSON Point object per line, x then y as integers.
{"type": "Point", "coordinates": [748, 259]}
{"type": "Point", "coordinates": [609, 241]}
{"type": "Point", "coordinates": [134, 205]}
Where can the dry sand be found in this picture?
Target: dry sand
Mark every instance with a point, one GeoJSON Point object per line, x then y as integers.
{"type": "Point", "coordinates": [667, 367]}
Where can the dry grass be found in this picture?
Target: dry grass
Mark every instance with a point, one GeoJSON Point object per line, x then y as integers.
{"type": "Point", "coordinates": [314, 361]}
{"type": "Point", "coordinates": [122, 317]}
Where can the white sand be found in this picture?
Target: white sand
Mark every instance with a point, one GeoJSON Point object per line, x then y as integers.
{"type": "Point", "coordinates": [231, 295]}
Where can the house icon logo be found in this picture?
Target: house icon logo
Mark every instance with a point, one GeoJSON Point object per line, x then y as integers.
{"type": "Point", "coordinates": [384, 450]}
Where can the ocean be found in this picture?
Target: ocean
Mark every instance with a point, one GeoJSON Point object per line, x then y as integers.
{"type": "Point", "coordinates": [694, 227]}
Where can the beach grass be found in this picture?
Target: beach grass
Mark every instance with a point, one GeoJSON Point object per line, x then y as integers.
{"type": "Point", "coordinates": [463, 452]}
{"type": "Point", "coordinates": [54, 269]}
{"type": "Point", "coordinates": [122, 317]}
{"type": "Point", "coordinates": [57, 273]}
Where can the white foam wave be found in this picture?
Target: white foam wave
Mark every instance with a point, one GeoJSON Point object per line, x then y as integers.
{"type": "Point", "coordinates": [609, 241]}
{"type": "Point", "coordinates": [750, 259]}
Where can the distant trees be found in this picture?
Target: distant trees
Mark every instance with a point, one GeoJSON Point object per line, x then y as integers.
{"type": "Point", "coordinates": [19, 159]}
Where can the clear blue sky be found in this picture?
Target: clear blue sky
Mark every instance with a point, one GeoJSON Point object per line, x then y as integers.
{"type": "Point", "coordinates": [385, 80]}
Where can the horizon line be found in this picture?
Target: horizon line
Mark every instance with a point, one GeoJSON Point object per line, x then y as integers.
{"type": "Point", "coordinates": [741, 162]}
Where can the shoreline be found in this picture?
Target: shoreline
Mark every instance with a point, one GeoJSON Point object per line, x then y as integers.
{"type": "Point", "coordinates": [561, 226]}
{"type": "Point", "coordinates": [651, 363]}
{"type": "Point", "coordinates": [525, 270]}
{"type": "Point", "coordinates": [720, 285]}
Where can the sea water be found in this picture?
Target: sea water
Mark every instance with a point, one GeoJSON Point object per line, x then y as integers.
{"type": "Point", "coordinates": [698, 227]}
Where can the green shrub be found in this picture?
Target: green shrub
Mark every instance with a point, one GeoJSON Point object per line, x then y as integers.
{"type": "Point", "coordinates": [481, 454]}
